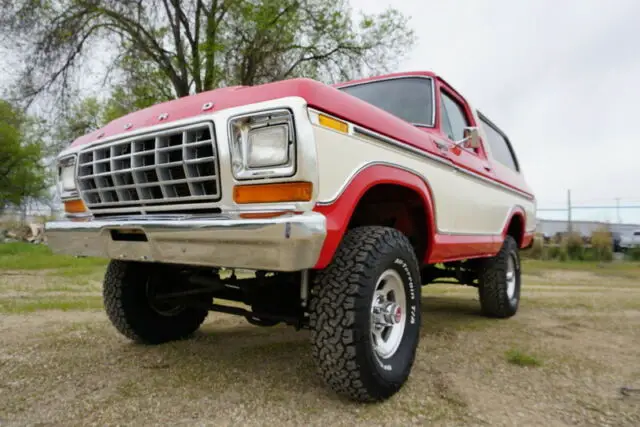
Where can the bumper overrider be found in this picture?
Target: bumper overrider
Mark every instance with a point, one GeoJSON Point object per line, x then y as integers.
{"type": "Point", "coordinates": [288, 242]}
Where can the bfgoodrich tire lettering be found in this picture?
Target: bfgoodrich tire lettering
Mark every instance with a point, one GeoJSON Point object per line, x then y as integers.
{"type": "Point", "coordinates": [341, 314]}
{"type": "Point", "coordinates": [127, 305]}
{"type": "Point", "coordinates": [500, 281]}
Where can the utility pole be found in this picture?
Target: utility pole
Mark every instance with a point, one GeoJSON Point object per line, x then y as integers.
{"type": "Point", "coordinates": [570, 226]}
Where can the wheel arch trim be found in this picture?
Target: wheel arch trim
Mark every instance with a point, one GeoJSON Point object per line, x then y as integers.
{"type": "Point", "coordinates": [339, 211]}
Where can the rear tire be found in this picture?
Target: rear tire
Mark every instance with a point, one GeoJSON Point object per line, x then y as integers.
{"type": "Point", "coordinates": [365, 314]}
{"type": "Point", "coordinates": [499, 287]}
{"type": "Point", "coordinates": [127, 292]}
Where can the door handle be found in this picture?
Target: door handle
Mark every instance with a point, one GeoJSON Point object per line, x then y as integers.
{"type": "Point", "coordinates": [442, 147]}
{"type": "Point", "coordinates": [487, 168]}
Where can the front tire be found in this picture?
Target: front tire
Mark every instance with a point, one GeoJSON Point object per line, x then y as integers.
{"type": "Point", "coordinates": [128, 299]}
{"type": "Point", "coordinates": [500, 281]}
{"type": "Point", "coordinates": [365, 314]}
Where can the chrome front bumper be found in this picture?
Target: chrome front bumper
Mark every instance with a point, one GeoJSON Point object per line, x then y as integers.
{"type": "Point", "coordinates": [289, 242]}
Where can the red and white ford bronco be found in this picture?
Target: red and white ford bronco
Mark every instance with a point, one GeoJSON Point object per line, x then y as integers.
{"type": "Point", "coordinates": [341, 201]}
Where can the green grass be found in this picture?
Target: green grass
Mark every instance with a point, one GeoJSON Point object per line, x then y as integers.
{"type": "Point", "coordinates": [25, 256]}
{"type": "Point", "coordinates": [82, 271]}
{"type": "Point", "coordinates": [519, 358]}
{"type": "Point", "coordinates": [53, 286]}
{"type": "Point", "coordinates": [622, 269]}
{"type": "Point", "coordinates": [594, 303]}
{"type": "Point", "coordinates": [30, 305]}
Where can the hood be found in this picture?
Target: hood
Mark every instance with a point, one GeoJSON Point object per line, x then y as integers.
{"type": "Point", "coordinates": [191, 106]}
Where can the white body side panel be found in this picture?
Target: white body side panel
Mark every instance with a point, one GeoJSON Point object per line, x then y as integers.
{"type": "Point", "coordinates": [464, 204]}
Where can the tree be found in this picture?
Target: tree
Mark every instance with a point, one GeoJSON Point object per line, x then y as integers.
{"type": "Point", "coordinates": [84, 115]}
{"type": "Point", "coordinates": [172, 48]}
{"type": "Point", "coordinates": [79, 119]}
{"type": "Point", "coordinates": [22, 174]}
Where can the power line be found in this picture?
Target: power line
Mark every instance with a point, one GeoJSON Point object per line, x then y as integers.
{"type": "Point", "coordinates": [589, 201]}
{"type": "Point", "coordinates": [574, 207]}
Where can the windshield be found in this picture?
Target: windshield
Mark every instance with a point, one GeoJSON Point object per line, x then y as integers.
{"type": "Point", "coordinates": [409, 98]}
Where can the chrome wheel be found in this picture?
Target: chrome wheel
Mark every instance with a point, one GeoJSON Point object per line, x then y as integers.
{"type": "Point", "coordinates": [388, 314]}
{"type": "Point", "coordinates": [511, 276]}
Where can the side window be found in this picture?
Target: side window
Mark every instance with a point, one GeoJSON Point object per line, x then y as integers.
{"type": "Point", "coordinates": [454, 114]}
{"type": "Point", "coordinates": [444, 120]}
{"type": "Point", "coordinates": [500, 147]}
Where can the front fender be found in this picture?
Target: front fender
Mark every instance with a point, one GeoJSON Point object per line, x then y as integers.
{"type": "Point", "coordinates": [338, 213]}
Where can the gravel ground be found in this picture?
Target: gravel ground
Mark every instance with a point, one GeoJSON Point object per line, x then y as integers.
{"type": "Point", "coordinates": [576, 337]}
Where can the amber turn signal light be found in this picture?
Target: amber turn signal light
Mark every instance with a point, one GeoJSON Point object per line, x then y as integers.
{"type": "Point", "coordinates": [74, 206]}
{"type": "Point", "coordinates": [273, 193]}
{"type": "Point", "coordinates": [332, 123]}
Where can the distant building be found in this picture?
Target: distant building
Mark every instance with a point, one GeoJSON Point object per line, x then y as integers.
{"type": "Point", "coordinates": [550, 227]}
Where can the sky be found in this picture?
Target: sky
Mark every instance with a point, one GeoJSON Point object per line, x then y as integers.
{"type": "Point", "coordinates": [560, 77]}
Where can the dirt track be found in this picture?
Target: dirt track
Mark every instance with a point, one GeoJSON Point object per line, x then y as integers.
{"type": "Point", "coordinates": [72, 368]}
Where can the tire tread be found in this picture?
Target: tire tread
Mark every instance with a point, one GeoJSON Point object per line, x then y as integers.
{"type": "Point", "coordinates": [121, 292]}
{"type": "Point", "coordinates": [492, 291]}
{"type": "Point", "coordinates": [339, 293]}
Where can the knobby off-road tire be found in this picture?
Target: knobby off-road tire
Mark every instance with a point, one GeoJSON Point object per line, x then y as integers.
{"type": "Point", "coordinates": [499, 287]}
{"type": "Point", "coordinates": [341, 314]}
{"type": "Point", "coordinates": [127, 303]}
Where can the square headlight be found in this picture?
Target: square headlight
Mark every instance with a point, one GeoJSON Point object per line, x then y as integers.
{"type": "Point", "coordinates": [268, 146]}
{"type": "Point", "coordinates": [67, 174]}
{"type": "Point", "coordinates": [262, 145]}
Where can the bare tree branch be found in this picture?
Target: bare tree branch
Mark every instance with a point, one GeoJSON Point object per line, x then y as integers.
{"type": "Point", "coordinates": [173, 47]}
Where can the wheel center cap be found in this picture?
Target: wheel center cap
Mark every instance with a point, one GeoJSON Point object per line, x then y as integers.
{"type": "Point", "coordinates": [393, 313]}
{"type": "Point", "coordinates": [397, 316]}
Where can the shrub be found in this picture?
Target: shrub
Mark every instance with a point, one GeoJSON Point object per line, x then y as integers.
{"type": "Point", "coordinates": [633, 254]}
{"type": "Point", "coordinates": [563, 255]}
{"type": "Point", "coordinates": [590, 255]}
{"type": "Point", "coordinates": [553, 252]}
{"type": "Point", "coordinates": [556, 253]}
{"type": "Point", "coordinates": [537, 250]}
{"type": "Point", "coordinates": [602, 244]}
{"type": "Point", "coordinates": [574, 246]}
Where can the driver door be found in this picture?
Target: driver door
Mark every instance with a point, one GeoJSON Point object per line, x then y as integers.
{"type": "Point", "coordinates": [474, 208]}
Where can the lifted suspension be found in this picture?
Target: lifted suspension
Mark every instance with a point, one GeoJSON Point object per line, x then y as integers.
{"type": "Point", "coordinates": [274, 298]}
{"type": "Point", "coordinates": [458, 273]}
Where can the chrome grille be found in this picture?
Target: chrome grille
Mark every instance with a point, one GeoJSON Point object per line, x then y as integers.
{"type": "Point", "coordinates": [169, 167]}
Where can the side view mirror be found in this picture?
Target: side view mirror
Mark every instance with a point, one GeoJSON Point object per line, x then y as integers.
{"type": "Point", "coordinates": [471, 138]}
